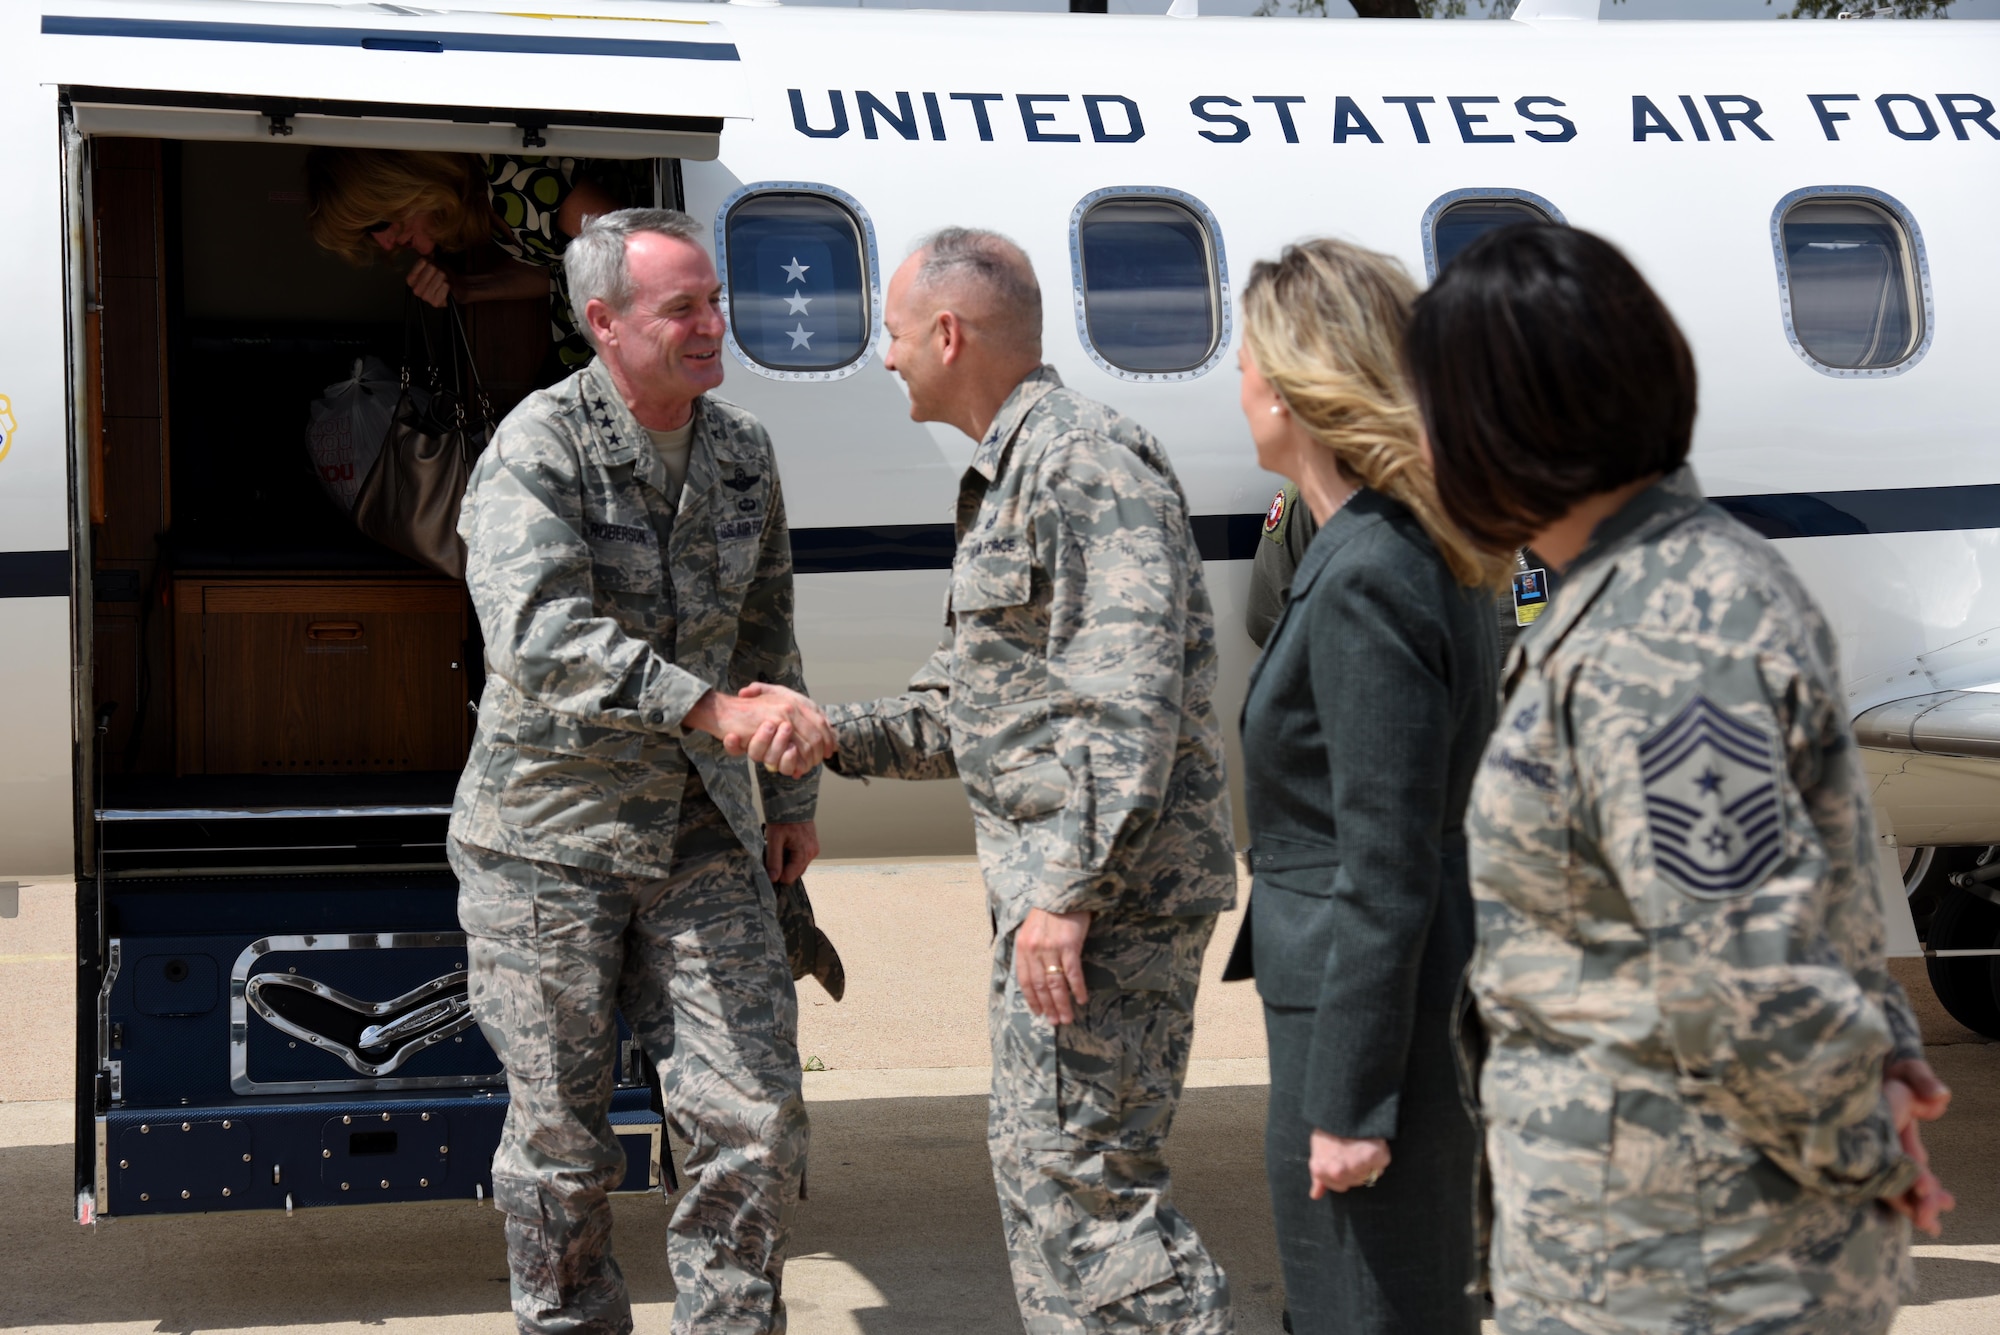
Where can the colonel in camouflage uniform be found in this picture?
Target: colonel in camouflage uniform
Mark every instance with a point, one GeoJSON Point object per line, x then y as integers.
{"type": "Point", "coordinates": [1072, 697]}
{"type": "Point", "coordinates": [1696, 1055]}
{"type": "Point", "coordinates": [609, 852]}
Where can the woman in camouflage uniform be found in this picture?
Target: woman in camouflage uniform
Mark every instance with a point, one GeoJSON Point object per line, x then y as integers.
{"type": "Point", "coordinates": [1700, 1079]}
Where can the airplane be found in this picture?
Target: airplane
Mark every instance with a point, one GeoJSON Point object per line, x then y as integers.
{"type": "Point", "coordinates": [235, 722]}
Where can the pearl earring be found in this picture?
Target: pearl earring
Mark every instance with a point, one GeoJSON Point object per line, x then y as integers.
{"type": "Point", "coordinates": [1277, 408]}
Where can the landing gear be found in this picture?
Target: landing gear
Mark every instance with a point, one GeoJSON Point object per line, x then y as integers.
{"type": "Point", "coordinates": [1958, 918]}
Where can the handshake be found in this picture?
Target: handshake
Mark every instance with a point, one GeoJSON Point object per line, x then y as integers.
{"type": "Point", "coordinates": [777, 727]}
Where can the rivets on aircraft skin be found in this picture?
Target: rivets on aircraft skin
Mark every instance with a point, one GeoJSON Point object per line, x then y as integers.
{"type": "Point", "coordinates": [225, 1191]}
{"type": "Point", "coordinates": [423, 1182]}
{"type": "Point", "coordinates": [444, 1149]}
{"type": "Point", "coordinates": [345, 1120]}
{"type": "Point", "coordinates": [184, 1195]}
{"type": "Point", "coordinates": [385, 1184]}
{"type": "Point", "coordinates": [124, 1163]}
{"type": "Point", "coordinates": [186, 1126]}
{"type": "Point", "coordinates": [343, 1186]}
{"type": "Point", "coordinates": [225, 1124]}
{"type": "Point", "coordinates": [385, 1117]}
{"type": "Point", "coordinates": [145, 1130]}
{"type": "Point", "coordinates": [427, 1117]}
{"type": "Point", "coordinates": [326, 1154]}
{"type": "Point", "coordinates": [144, 1197]}
{"type": "Point", "coordinates": [246, 1158]}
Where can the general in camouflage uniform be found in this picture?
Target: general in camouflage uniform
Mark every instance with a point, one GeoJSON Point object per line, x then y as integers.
{"type": "Point", "coordinates": [608, 858]}
{"type": "Point", "coordinates": [1680, 960]}
{"type": "Point", "coordinates": [1072, 696]}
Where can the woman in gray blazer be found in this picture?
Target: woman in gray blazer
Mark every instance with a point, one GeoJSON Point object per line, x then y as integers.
{"type": "Point", "coordinates": [1365, 720]}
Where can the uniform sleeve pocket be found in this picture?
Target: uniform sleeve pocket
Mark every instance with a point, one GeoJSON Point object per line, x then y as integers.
{"type": "Point", "coordinates": [1548, 1143]}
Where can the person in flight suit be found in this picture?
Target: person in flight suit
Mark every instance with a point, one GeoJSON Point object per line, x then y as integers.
{"type": "Point", "coordinates": [1701, 1079]}
{"type": "Point", "coordinates": [630, 564]}
{"type": "Point", "coordinates": [1072, 695]}
{"type": "Point", "coordinates": [1288, 530]}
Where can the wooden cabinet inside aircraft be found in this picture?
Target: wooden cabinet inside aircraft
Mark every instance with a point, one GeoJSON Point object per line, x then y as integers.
{"type": "Point", "coordinates": [326, 676]}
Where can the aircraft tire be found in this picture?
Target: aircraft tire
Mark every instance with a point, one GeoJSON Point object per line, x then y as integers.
{"type": "Point", "coordinates": [1927, 874]}
{"type": "Point", "coordinates": [1967, 986]}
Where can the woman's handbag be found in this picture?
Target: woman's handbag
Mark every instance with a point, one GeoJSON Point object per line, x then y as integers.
{"type": "Point", "coordinates": [410, 500]}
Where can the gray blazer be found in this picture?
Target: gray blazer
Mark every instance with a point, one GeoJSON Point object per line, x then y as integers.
{"type": "Point", "coordinates": [1365, 720]}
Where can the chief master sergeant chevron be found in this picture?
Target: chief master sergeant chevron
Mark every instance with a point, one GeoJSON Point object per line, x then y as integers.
{"type": "Point", "coordinates": [1072, 695]}
{"type": "Point", "coordinates": [629, 561]}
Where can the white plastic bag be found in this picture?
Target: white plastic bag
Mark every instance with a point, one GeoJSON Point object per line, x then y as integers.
{"type": "Point", "coordinates": [346, 427]}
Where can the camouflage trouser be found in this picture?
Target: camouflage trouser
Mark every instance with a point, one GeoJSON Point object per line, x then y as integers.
{"type": "Point", "coordinates": [695, 964]}
{"type": "Point", "coordinates": [1078, 1129]}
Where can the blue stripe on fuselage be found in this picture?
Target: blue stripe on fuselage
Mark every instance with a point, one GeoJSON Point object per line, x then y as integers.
{"type": "Point", "coordinates": [383, 39]}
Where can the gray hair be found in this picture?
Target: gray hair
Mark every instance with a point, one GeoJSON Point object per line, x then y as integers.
{"type": "Point", "coordinates": [990, 262]}
{"type": "Point", "coordinates": [595, 265]}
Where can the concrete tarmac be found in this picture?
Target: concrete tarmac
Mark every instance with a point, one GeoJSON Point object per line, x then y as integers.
{"type": "Point", "coordinates": [901, 1236]}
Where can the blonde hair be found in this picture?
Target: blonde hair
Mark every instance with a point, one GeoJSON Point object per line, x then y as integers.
{"type": "Point", "coordinates": [352, 190]}
{"type": "Point", "coordinates": [1324, 324]}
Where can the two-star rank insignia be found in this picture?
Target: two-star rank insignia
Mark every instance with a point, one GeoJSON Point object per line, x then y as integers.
{"type": "Point", "coordinates": [1712, 803]}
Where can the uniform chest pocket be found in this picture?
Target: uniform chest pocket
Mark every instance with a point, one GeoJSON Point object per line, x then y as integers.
{"type": "Point", "coordinates": [624, 556]}
{"type": "Point", "coordinates": [993, 571]}
{"type": "Point", "coordinates": [738, 538]}
{"type": "Point", "coordinates": [1520, 822]}
{"type": "Point", "coordinates": [742, 502]}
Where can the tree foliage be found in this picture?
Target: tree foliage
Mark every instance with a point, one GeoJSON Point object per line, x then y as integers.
{"type": "Point", "coordinates": [1867, 9]}
{"type": "Point", "coordinates": [1500, 9]}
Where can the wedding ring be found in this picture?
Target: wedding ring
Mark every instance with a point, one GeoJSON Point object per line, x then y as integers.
{"type": "Point", "coordinates": [1373, 1178]}
{"type": "Point", "coordinates": [1052, 968]}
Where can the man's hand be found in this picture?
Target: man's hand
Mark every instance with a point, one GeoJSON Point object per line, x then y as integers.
{"type": "Point", "coordinates": [1340, 1164]}
{"type": "Point", "coordinates": [786, 717]}
{"type": "Point", "coordinates": [1925, 1203]}
{"type": "Point", "coordinates": [789, 848]}
{"type": "Point", "coordinates": [779, 743]}
{"type": "Point", "coordinates": [1048, 961]}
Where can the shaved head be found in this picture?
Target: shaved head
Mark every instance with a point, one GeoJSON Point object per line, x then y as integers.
{"type": "Point", "coordinates": [987, 279]}
{"type": "Point", "coordinates": [964, 320]}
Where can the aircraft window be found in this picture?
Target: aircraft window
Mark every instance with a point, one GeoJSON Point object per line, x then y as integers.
{"type": "Point", "coordinates": [1456, 220]}
{"type": "Point", "coordinates": [1152, 287]}
{"type": "Point", "coordinates": [800, 280]}
{"type": "Point", "coordinates": [1853, 280]}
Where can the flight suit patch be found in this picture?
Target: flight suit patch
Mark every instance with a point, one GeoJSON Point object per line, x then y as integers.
{"type": "Point", "coordinates": [1276, 519]}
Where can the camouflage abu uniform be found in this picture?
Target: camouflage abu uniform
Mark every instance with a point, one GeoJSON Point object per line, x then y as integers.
{"type": "Point", "coordinates": [607, 858]}
{"type": "Point", "coordinates": [1072, 697]}
{"type": "Point", "coordinates": [1680, 960]}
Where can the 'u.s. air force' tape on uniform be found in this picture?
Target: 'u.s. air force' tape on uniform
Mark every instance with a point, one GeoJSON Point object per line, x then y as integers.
{"type": "Point", "coordinates": [1712, 806]}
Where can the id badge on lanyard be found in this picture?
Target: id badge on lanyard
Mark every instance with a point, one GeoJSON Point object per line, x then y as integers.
{"type": "Point", "coordinates": [1531, 595]}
